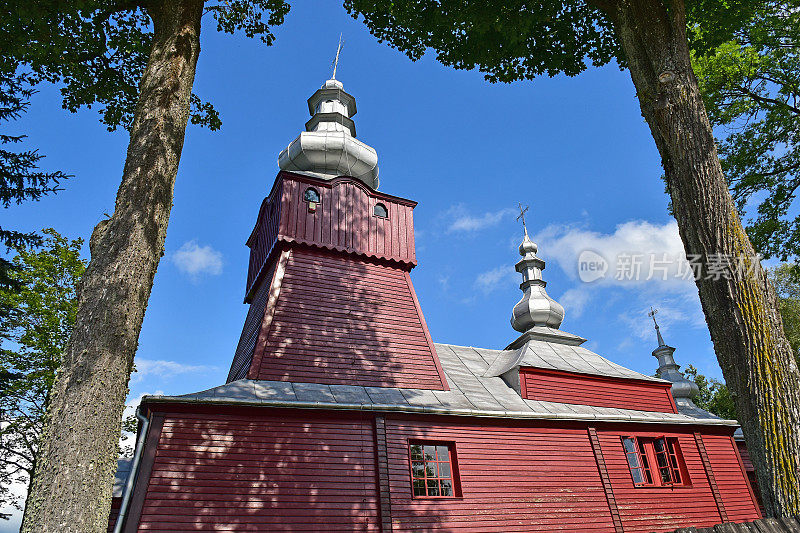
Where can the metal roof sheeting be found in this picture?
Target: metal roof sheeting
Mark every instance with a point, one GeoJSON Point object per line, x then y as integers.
{"type": "Point", "coordinates": [473, 392]}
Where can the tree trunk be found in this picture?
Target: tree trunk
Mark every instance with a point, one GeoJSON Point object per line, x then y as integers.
{"type": "Point", "coordinates": [741, 308]}
{"type": "Point", "coordinates": [71, 487]}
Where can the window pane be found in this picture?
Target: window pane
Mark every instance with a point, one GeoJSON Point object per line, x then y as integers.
{"type": "Point", "coordinates": [443, 453]}
{"type": "Point", "coordinates": [444, 469]}
{"type": "Point", "coordinates": [416, 451]}
{"type": "Point", "coordinates": [430, 469]}
{"type": "Point", "coordinates": [430, 452]}
{"type": "Point", "coordinates": [433, 487]}
{"type": "Point", "coordinates": [633, 460]}
{"type": "Point", "coordinates": [419, 487]}
{"type": "Point", "coordinates": [447, 487]}
{"type": "Point", "coordinates": [658, 444]}
{"type": "Point", "coordinates": [418, 468]}
{"type": "Point", "coordinates": [381, 211]}
{"type": "Point", "coordinates": [627, 442]}
{"type": "Point", "coordinates": [636, 473]}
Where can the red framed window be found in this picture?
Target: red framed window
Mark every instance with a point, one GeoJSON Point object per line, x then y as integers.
{"type": "Point", "coordinates": [655, 461]}
{"type": "Point", "coordinates": [433, 469]}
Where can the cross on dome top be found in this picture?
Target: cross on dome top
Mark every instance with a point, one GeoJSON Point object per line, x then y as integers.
{"type": "Point", "coordinates": [536, 308]}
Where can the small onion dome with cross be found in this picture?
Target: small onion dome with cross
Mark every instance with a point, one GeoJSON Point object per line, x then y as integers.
{"type": "Point", "coordinates": [683, 390]}
{"type": "Point", "coordinates": [535, 308]}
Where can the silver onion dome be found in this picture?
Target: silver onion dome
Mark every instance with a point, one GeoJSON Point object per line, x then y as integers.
{"type": "Point", "coordinates": [328, 148]}
{"type": "Point", "coordinates": [535, 308]}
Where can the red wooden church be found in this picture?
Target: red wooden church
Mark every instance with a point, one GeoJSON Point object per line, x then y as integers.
{"type": "Point", "coordinates": [340, 412]}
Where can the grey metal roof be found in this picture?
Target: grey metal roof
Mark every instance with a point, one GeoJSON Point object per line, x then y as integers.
{"type": "Point", "coordinates": [564, 357]}
{"type": "Point", "coordinates": [121, 475]}
{"type": "Point", "coordinates": [472, 391]}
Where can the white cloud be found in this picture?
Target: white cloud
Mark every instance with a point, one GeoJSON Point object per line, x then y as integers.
{"type": "Point", "coordinates": [658, 248]}
{"type": "Point", "coordinates": [463, 221]}
{"type": "Point", "coordinates": [574, 301]}
{"type": "Point", "coordinates": [492, 279]}
{"type": "Point", "coordinates": [165, 369]}
{"type": "Point", "coordinates": [195, 260]}
{"type": "Point", "coordinates": [675, 297]}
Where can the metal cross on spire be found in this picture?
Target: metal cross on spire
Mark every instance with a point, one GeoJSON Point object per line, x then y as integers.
{"type": "Point", "coordinates": [336, 61]}
{"type": "Point", "coordinates": [522, 217]}
{"type": "Point", "coordinates": [652, 314]}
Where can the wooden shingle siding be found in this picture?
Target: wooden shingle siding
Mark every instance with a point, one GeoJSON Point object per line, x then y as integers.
{"type": "Point", "coordinates": [343, 221]}
{"type": "Point", "coordinates": [646, 509]}
{"type": "Point", "coordinates": [581, 389]}
{"type": "Point", "coordinates": [344, 320]}
{"type": "Point", "coordinates": [512, 479]}
{"type": "Point", "coordinates": [731, 478]}
{"type": "Point", "coordinates": [262, 473]}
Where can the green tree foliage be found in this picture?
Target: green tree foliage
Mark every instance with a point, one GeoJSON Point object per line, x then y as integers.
{"type": "Point", "coordinates": [786, 280]}
{"type": "Point", "coordinates": [32, 339]}
{"type": "Point", "coordinates": [21, 178]}
{"type": "Point", "coordinates": [751, 89]}
{"type": "Point", "coordinates": [714, 396]}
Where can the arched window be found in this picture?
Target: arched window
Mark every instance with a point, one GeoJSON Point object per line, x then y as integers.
{"type": "Point", "coordinates": [311, 195]}
{"type": "Point", "coordinates": [381, 211]}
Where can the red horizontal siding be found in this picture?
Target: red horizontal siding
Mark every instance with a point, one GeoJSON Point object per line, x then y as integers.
{"type": "Point", "coordinates": [730, 477]}
{"type": "Point", "coordinates": [116, 503]}
{"type": "Point", "coordinates": [582, 389]}
{"type": "Point", "coordinates": [262, 473]}
{"type": "Point", "coordinates": [512, 478]}
{"type": "Point", "coordinates": [649, 509]}
{"type": "Point", "coordinates": [343, 220]}
{"type": "Point", "coordinates": [343, 320]}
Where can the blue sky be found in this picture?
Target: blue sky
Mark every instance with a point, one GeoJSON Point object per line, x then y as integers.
{"type": "Point", "coordinates": [575, 149]}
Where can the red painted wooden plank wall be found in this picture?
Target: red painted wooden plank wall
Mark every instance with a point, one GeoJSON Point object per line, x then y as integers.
{"type": "Point", "coordinates": [343, 320]}
{"type": "Point", "coordinates": [343, 220]}
{"type": "Point", "coordinates": [731, 480]}
{"type": "Point", "coordinates": [262, 473]}
{"type": "Point", "coordinates": [116, 503]}
{"type": "Point", "coordinates": [513, 478]}
{"type": "Point", "coordinates": [646, 509]}
{"type": "Point", "coordinates": [565, 387]}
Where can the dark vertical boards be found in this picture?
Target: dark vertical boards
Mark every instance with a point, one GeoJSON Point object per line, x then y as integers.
{"type": "Point", "coordinates": [264, 236]}
{"type": "Point", "coordinates": [647, 509]}
{"type": "Point", "coordinates": [607, 487]}
{"type": "Point", "coordinates": [251, 471]}
{"type": "Point", "coordinates": [581, 389]}
{"type": "Point", "coordinates": [146, 462]}
{"type": "Point", "coordinates": [732, 484]}
{"type": "Point", "coordinates": [344, 320]}
{"type": "Point", "coordinates": [513, 478]}
{"type": "Point", "coordinates": [382, 461]}
{"type": "Point", "coordinates": [344, 220]}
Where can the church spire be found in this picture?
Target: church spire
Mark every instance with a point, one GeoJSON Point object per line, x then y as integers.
{"type": "Point", "coordinates": [535, 308]}
{"type": "Point", "coordinates": [328, 148]}
{"type": "Point", "coordinates": [683, 390]}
